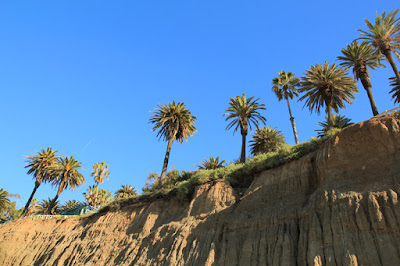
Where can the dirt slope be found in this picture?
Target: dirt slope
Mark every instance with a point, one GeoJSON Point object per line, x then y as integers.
{"type": "Point", "coordinates": [336, 206]}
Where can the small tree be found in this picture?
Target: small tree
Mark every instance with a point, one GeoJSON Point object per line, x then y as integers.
{"type": "Point", "coordinates": [211, 163]}
{"type": "Point", "coordinates": [126, 191]}
{"type": "Point", "coordinates": [266, 140]}
{"type": "Point", "coordinates": [339, 121]}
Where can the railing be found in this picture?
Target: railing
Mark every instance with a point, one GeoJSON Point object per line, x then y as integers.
{"type": "Point", "coordinates": [390, 111]}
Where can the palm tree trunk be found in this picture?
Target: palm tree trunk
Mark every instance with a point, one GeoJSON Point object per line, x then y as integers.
{"type": "Point", "coordinates": [330, 116]}
{"type": "Point", "coordinates": [296, 138]}
{"type": "Point", "coordinates": [37, 184]}
{"type": "Point", "coordinates": [165, 165]}
{"type": "Point", "coordinates": [390, 59]}
{"type": "Point", "coordinates": [243, 153]}
{"type": "Point", "coordinates": [367, 86]}
{"type": "Point", "coordinates": [53, 202]}
{"type": "Point", "coordinates": [96, 195]}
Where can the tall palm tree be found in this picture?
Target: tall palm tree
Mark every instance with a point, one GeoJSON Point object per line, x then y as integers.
{"type": "Point", "coordinates": [396, 89]}
{"type": "Point", "coordinates": [66, 175]}
{"type": "Point", "coordinates": [99, 172]}
{"type": "Point", "coordinates": [173, 122]}
{"type": "Point", "coordinates": [339, 121]}
{"type": "Point", "coordinates": [329, 86]}
{"type": "Point", "coordinates": [384, 35]}
{"type": "Point", "coordinates": [39, 166]}
{"type": "Point", "coordinates": [359, 57]}
{"type": "Point", "coordinates": [244, 112]}
{"type": "Point", "coordinates": [285, 87]}
{"type": "Point", "coordinates": [211, 163]}
{"type": "Point", "coordinates": [126, 191]}
{"type": "Point", "coordinates": [266, 140]}
{"type": "Point", "coordinates": [4, 200]}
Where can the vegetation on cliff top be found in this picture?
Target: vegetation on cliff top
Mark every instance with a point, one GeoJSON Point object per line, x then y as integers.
{"type": "Point", "coordinates": [323, 86]}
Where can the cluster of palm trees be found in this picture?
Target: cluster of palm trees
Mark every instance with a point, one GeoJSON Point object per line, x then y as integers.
{"type": "Point", "coordinates": [63, 173]}
{"type": "Point", "coordinates": [322, 86]}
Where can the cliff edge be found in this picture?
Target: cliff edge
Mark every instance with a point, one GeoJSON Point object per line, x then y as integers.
{"type": "Point", "coordinates": [335, 206]}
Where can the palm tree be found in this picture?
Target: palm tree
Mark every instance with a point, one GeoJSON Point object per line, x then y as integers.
{"type": "Point", "coordinates": [69, 204]}
{"type": "Point", "coordinates": [266, 140]}
{"type": "Point", "coordinates": [339, 121]}
{"type": "Point", "coordinates": [359, 57]}
{"type": "Point", "coordinates": [40, 165]}
{"type": "Point", "coordinates": [66, 175]}
{"type": "Point", "coordinates": [211, 163]}
{"type": "Point", "coordinates": [285, 87]}
{"type": "Point", "coordinates": [396, 89]}
{"type": "Point", "coordinates": [244, 112]}
{"type": "Point", "coordinates": [385, 36]}
{"type": "Point", "coordinates": [327, 85]}
{"type": "Point", "coordinates": [44, 206]}
{"type": "Point", "coordinates": [104, 196]}
{"type": "Point", "coordinates": [173, 121]}
{"type": "Point", "coordinates": [4, 200]}
{"type": "Point", "coordinates": [91, 196]}
{"type": "Point", "coordinates": [100, 170]}
{"type": "Point", "coordinates": [126, 191]}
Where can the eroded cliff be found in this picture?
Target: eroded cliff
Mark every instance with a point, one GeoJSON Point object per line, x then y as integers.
{"type": "Point", "coordinates": [335, 206]}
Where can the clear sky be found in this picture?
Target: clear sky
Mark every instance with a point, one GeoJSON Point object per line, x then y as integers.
{"type": "Point", "coordinates": [81, 77]}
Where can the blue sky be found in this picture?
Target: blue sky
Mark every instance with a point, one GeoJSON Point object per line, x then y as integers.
{"type": "Point", "coordinates": [81, 77]}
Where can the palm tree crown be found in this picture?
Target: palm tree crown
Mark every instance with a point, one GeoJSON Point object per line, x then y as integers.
{"type": "Point", "coordinates": [100, 170]}
{"type": "Point", "coordinates": [266, 140]}
{"type": "Point", "coordinates": [359, 57]}
{"type": "Point", "coordinates": [329, 86]}
{"type": "Point", "coordinates": [285, 87]}
{"type": "Point", "coordinates": [395, 90]}
{"type": "Point", "coordinates": [339, 121]}
{"type": "Point", "coordinates": [211, 163]}
{"type": "Point", "coordinates": [243, 113]}
{"type": "Point", "coordinates": [66, 175]}
{"type": "Point", "coordinates": [126, 191]}
{"type": "Point", "coordinates": [384, 35]}
{"type": "Point", "coordinates": [4, 200]}
{"type": "Point", "coordinates": [173, 121]}
{"type": "Point", "coordinates": [40, 167]}
{"type": "Point", "coordinates": [44, 206]}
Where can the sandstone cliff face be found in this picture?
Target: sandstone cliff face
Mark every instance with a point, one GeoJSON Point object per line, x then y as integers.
{"type": "Point", "coordinates": [336, 206]}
